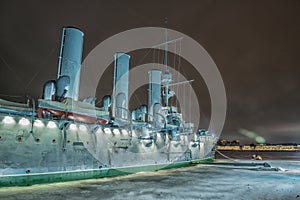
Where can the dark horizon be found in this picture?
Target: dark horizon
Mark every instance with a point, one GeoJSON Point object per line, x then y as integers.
{"type": "Point", "coordinates": [255, 46]}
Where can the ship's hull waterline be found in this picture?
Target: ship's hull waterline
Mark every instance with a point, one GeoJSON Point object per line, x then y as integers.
{"type": "Point", "coordinates": [42, 178]}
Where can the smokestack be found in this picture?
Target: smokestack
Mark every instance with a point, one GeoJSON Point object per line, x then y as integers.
{"type": "Point", "coordinates": [120, 92]}
{"type": "Point", "coordinates": [49, 90]}
{"type": "Point", "coordinates": [70, 59]}
{"type": "Point", "coordinates": [106, 101]}
{"type": "Point", "coordinates": [154, 103]}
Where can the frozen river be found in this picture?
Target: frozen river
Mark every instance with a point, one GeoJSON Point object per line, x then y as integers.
{"type": "Point", "coordinates": [197, 182]}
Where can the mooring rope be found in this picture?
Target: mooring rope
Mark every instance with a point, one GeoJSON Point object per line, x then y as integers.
{"type": "Point", "coordinates": [226, 156]}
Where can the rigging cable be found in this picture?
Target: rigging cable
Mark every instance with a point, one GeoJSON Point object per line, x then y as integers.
{"type": "Point", "coordinates": [12, 70]}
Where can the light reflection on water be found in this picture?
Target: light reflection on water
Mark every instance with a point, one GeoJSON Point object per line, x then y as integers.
{"type": "Point", "coordinates": [197, 182]}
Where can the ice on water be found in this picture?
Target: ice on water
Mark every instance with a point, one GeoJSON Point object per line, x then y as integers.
{"type": "Point", "coordinates": [197, 182]}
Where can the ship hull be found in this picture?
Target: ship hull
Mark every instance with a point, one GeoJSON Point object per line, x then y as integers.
{"type": "Point", "coordinates": [42, 178]}
{"type": "Point", "coordinates": [59, 150]}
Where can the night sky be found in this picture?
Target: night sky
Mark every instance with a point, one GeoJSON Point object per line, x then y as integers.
{"type": "Point", "coordinates": [255, 45]}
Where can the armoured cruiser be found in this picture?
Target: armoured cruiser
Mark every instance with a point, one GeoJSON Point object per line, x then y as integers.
{"type": "Point", "coordinates": [65, 139]}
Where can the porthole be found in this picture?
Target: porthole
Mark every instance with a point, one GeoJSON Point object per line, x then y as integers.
{"type": "Point", "coordinates": [37, 139]}
{"type": "Point", "coordinates": [19, 139]}
{"type": "Point", "coordinates": [54, 141]}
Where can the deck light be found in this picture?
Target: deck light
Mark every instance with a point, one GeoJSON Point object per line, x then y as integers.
{"type": "Point", "coordinates": [8, 120]}
{"type": "Point", "coordinates": [38, 123]}
{"type": "Point", "coordinates": [24, 122]}
{"type": "Point", "coordinates": [51, 125]}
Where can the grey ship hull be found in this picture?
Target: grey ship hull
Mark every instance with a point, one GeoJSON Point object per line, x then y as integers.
{"type": "Point", "coordinates": [85, 151]}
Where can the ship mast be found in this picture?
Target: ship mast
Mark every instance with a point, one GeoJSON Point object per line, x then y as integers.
{"type": "Point", "coordinates": [167, 76]}
{"type": "Point", "coordinates": [166, 46]}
